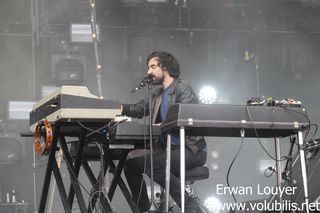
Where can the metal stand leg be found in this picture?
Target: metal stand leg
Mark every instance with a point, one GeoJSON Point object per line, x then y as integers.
{"type": "Point", "coordinates": [167, 189]}
{"type": "Point", "coordinates": [34, 180]}
{"type": "Point", "coordinates": [279, 167]}
{"type": "Point", "coordinates": [51, 168]}
{"type": "Point", "coordinates": [303, 170]}
{"type": "Point", "coordinates": [53, 183]}
{"type": "Point", "coordinates": [182, 166]}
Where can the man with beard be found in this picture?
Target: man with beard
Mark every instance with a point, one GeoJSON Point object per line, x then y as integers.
{"type": "Point", "coordinates": [164, 70]}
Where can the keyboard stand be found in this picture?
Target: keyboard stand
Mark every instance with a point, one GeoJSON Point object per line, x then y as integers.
{"type": "Point", "coordinates": [74, 163]}
{"type": "Point", "coordinates": [279, 169]}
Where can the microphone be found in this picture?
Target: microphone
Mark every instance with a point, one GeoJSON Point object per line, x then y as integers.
{"type": "Point", "coordinates": [143, 82]}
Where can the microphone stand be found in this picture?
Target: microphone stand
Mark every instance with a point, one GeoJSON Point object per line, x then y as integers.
{"type": "Point", "coordinates": [148, 81]}
{"type": "Point", "coordinates": [152, 207]}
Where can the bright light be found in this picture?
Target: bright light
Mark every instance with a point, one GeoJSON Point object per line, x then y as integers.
{"type": "Point", "coordinates": [215, 166]}
{"type": "Point", "coordinates": [264, 164]}
{"type": "Point", "coordinates": [213, 204]}
{"type": "Point", "coordinates": [215, 154]}
{"type": "Point", "coordinates": [19, 110]}
{"type": "Point", "coordinates": [46, 90]}
{"type": "Point", "coordinates": [207, 95]}
{"type": "Point", "coordinates": [83, 33]}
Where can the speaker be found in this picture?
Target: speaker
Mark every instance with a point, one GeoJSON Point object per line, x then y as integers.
{"type": "Point", "coordinates": [69, 69]}
{"type": "Point", "coordinates": [11, 149]}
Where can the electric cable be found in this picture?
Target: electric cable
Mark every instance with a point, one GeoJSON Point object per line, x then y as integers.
{"type": "Point", "coordinates": [231, 164]}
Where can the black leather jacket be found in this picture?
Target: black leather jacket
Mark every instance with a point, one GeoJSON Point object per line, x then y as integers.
{"type": "Point", "coordinates": [181, 92]}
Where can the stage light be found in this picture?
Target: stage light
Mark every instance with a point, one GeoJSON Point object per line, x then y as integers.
{"type": "Point", "coordinates": [213, 205]}
{"type": "Point", "coordinates": [47, 89]}
{"type": "Point", "coordinates": [215, 154]}
{"type": "Point", "coordinates": [214, 166]}
{"type": "Point", "coordinates": [246, 56]}
{"type": "Point", "coordinates": [83, 33]}
{"type": "Point", "coordinates": [207, 95]}
{"type": "Point", "coordinates": [19, 110]}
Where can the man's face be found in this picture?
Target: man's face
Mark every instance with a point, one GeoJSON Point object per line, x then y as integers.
{"type": "Point", "coordinates": [155, 71]}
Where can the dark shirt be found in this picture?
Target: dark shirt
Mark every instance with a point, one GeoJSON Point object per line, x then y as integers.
{"type": "Point", "coordinates": [175, 139]}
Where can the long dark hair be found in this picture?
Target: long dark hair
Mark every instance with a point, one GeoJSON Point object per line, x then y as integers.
{"type": "Point", "coordinates": [167, 62]}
